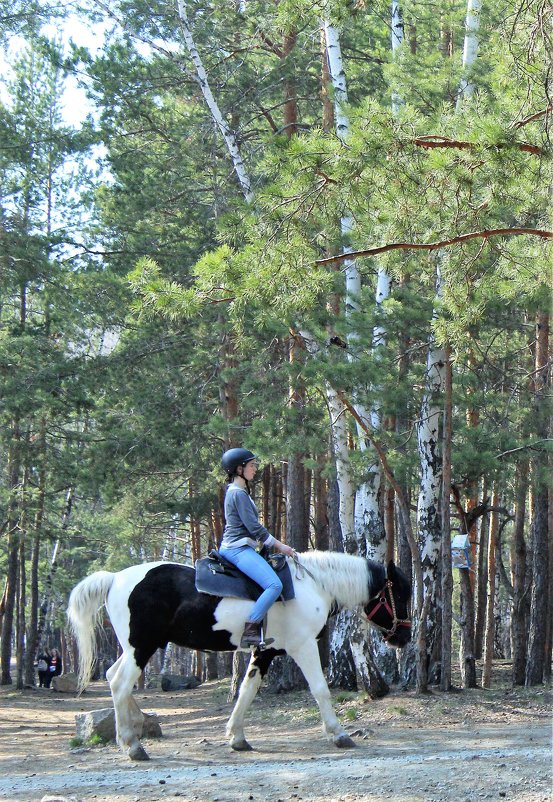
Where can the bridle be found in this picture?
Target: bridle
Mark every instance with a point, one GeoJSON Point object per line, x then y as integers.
{"type": "Point", "coordinates": [390, 607]}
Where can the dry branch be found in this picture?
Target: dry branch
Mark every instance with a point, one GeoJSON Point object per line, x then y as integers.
{"type": "Point", "coordinates": [434, 246]}
{"type": "Point", "coordinates": [443, 142]}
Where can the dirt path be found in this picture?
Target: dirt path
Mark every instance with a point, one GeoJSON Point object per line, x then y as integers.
{"type": "Point", "coordinates": [456, 748]}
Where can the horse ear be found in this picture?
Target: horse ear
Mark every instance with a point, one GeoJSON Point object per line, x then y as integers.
{"type": "Point", "coordinates": [391, 569]}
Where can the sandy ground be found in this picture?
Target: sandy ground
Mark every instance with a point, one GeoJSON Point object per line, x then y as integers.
{"type": "Point", "coordinates": [461, 747]}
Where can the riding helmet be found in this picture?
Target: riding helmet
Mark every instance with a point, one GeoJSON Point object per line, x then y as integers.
{"type": "Point", "coordinates": [235, 457]}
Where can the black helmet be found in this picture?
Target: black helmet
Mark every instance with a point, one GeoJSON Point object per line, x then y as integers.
{"type": "Point", "coordinates": [235, 457]}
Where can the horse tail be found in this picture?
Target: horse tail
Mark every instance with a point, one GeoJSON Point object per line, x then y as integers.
{"type": "Point", "coordinates": [83, 611]}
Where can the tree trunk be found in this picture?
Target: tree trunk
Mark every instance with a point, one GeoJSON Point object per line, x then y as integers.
{"type": "Point", "coordinates": [49, 583]}
{"type": "Point", "coordinates": [540, 590]}
{"type": "Point", "coordinates": [13, 513]}
{"type": "Point", "coordinates": [467, 659]}
{"type": "Point", "coordinates": [447, 575]}
{"type": "Point", "coordinates": [328, 122]}
{"type": "Point", "coordinates": [489, 632]}
{"type": "Point", "coordinates": [481, 585]}
{"type": "Point", "coordinates": [535, 667]}
{"type": "Point", "coordinates": [290, 102]}
{"type": "Point", "coordinates": [224, 128]}
{"type": "Point", "coordinates": [341, 667]}
{"type": "Point", "coordinates": [297, 518]}
{"type": "Point", "coordinates": [429, 434]}
{"type": "Point", "coordinates": [320, 508]}
{"type": "Point", "coordinates": [470, 50]}
{"type": "Point", "coordinates": [549, 618]}
{"type": "Point", "coordinates": [518, 573]}
{"type": "Point", "coordinates": [32, 626]}
{"type": "Point", "coordinates": [239, 666]}
{"type": "Point", "coordinates": [21, 607]}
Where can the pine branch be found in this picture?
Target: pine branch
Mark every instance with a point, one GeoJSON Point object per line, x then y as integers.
{"type": "Point", "coordinates": [434, 246]}
{"type": "Point", "coordinates": [432, 141]}
{"type": "Point", "coordinates": [532, 117]}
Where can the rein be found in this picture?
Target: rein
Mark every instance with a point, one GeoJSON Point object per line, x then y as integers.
{"type": "Point", "coordinates": [301, 566]}
{"type": "Point", "coordinates": [390, 607]}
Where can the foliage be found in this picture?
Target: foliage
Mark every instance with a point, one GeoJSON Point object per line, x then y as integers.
{"type": "Point", "coordinates": [138, 290]}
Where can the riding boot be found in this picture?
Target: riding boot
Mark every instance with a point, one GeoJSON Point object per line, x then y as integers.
{"type": "Point", "coordinates": [251, 635]}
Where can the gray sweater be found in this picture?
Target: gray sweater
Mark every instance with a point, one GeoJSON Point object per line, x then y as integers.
{"type": "Point", "coordinates": [242, 521]}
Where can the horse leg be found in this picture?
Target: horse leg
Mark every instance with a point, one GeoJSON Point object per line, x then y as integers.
{"type": "Point", "coordinates": [134, 710]}
{"type": "Point", "coordinates": [128, 716]}
{"type": "Point", "coordinates": [307, 658]}
{"type": "Point", "coordinates": [257, 668]}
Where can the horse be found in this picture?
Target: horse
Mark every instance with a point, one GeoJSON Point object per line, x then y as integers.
{"type": "Point", "coordinates": [152, 604]}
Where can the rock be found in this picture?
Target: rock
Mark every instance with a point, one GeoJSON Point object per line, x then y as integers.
{"type": "Point", "coordinates": [56, 798]}
{"type": "Point", "coordinates": [65, 683]}
{"type": "Point", "coordinates": [177, 682]}
{"type": "Point", "coordinates": [101, 723]}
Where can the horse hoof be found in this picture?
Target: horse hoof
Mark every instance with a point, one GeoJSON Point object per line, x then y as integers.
{"type": "Point", "coordinates": [241, 746]}
{"type": "Point", "coordinates": [343, 741]}
{"type": "Point", "coordinates": [138, 753]}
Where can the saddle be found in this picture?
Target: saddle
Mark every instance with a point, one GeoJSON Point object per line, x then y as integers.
{"type": "Point", "coordinates": [218, 577]}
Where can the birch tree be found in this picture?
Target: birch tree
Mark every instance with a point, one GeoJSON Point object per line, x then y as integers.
{"type": "Point", "coordinates": [222, 125]}
{"type": "Point", "coordinates": [367, 518]}
{"type": "Point", "coordinates": [429, 429]}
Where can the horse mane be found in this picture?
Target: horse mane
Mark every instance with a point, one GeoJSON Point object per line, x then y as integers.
{"type": "Point", "coordinates": [348, 579]}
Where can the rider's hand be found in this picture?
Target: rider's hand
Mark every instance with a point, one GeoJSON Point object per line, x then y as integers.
{"type": "Point", "coordinates": [288, 550]}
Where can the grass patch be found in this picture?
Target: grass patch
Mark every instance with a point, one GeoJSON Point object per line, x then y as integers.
{"type": "Point", "coordinates": [350, 714]}
{"type": "Point", "coordinates": [399, 709]}
{"type": "Point", "coordinates": [346, 696]}
{"type": "Point", "coordinates": [96, 740]}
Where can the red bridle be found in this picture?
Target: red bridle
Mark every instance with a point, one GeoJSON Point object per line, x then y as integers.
{"type": "Point", "coordinates": [390, 607]}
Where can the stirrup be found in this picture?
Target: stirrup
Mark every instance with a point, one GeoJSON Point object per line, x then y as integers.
{"type": "Point", "coordinates": [261, 644]}
{"type": "Point", "coordinates": [264, 642]}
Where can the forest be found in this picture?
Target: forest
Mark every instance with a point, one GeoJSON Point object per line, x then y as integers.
{"type": "Point", "coordinates": [318, 229]}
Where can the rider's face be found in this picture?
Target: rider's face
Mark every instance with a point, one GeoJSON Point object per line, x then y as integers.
{"type": "Point", "coordinates": [249, 470]}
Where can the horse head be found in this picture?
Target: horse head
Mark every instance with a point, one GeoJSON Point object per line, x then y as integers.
{"type": "Point", "coordinates": [388, 610]}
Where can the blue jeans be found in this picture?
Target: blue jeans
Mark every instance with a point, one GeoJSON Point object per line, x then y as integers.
{"type": "Point", "coordinates": [253, 565]}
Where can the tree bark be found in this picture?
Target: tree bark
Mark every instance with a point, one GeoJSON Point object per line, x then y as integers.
{"type": "Point", "coordinates": [535, 666]}
{"type": "Point", "coordinates": [226, 132]}
{"type": "Point", "coordinates": [447, 575]}
{"type": "Point", "coordinates": [470, 50]}
{"type": "Point", "coordinates": [429, 434]}
{"type": "Point", "coordinates": [467, 659]}
{"type": "Point", "coordinates": [518, 573]}
{"type": "Point", "coordinates": [481, 584]}
{"type": "Point", "coordinates": [32, 625]}
{"type": "Point", "coordinates": [489, 632]}
{"type": "Point", "coordinates": [14, 465]}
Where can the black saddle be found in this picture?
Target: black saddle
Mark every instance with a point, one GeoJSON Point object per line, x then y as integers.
{"type": "Point", "coordinates": [218, 577]}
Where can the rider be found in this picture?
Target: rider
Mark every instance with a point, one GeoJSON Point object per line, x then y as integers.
{"type": "Point", "coordinates": [243, 533]}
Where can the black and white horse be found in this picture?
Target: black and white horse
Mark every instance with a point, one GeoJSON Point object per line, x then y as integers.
{"type": "Point", "coordinates": [153, 604]}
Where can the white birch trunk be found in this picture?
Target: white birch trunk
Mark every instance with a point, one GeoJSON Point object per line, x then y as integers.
{"type": "Point", "coordinates": [227, 134]}
{"type": "Point", "coordinates": [368, 517]}
{"type": "Point", "coordinates": [428, 508]}
{"type": "Point", "coordinates": [397, 40]}
{"type": "Point", "coordinates": [339, 433]}
{"type": "Point", "coordinates": [357, 509]}
{"type": "Point", "coordinates": [429, 443]}
{"type": "Point", "coordinates": [470, 49]}
{"type": "Point", "coordinates": [338, 77]}
{"type": "Point", "coordinates": [365, 500]}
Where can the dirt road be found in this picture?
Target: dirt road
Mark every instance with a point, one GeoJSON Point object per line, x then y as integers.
{"type": "Point", "coordinates": [472, 746]}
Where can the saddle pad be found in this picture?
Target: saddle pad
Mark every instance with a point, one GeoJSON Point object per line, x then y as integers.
{"type": "Point", "coordinates": [226, 580]}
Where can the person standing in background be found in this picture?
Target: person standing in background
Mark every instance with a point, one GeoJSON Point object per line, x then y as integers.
{"type": "Point", "coordinates": [43, 668]}
{"type": "Point", "coordinates": [55, 667]}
